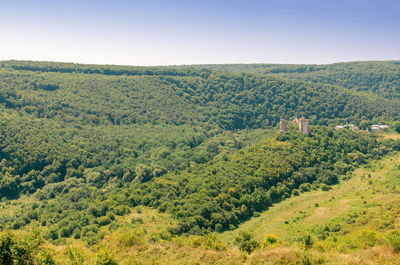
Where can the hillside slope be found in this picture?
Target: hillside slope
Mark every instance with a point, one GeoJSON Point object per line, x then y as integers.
{"type": "Point", "coordinates": [129, 95]}
{"type": "Point", "coordinates": [206, 197]}
{"type": "Point", "coordinates": [62, 120]}
{"type": "Point", "coordinates": [223, 193]}
{"type": "Point", "coordinates": [356, 222]}
{"type": "Point", "coordinates": [358, 214]}
{"type": "Point", "coordinates": [381, 78]}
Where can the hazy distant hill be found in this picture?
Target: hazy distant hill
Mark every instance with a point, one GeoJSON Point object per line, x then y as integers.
{"type": "Point", "coordinates": [379, 77]}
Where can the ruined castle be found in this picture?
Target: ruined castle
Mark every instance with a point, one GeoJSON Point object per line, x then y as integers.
{"type": "Point", "coordinates": [304, 125]}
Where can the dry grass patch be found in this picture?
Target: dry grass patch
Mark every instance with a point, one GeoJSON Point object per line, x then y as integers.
{"type": "Point", "coordinates": [321, 215]}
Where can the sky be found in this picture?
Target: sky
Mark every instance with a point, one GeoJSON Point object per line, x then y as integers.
{"type": "Point", "coordinates": [175, 32]}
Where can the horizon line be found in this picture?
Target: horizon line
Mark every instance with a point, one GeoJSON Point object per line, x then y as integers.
{"type": "Point", "coordinates": [196, 64]}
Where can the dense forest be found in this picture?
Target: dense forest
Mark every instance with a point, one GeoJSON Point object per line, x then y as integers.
{"type": "Point", "coordinates": [221, 194]}
{"type": "Point", "coordinates": [60, 120]}
{"type": "Point", "coordinates": [83, 145]}
{"type": "Point", "coordinates": [381, 78]}
{"type": "Point", "coordinates": [129, 95]}
{"type": "Point", "coordinates": [229, 189]}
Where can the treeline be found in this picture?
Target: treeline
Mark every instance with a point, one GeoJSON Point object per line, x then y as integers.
{"type": "Point", "coordinates": [101, 69]}
{"type": "Point", "coordinates": [381, 78]}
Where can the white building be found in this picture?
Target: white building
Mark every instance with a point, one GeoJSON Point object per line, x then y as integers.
{"type": "Point", "coordinates": [376, 127]}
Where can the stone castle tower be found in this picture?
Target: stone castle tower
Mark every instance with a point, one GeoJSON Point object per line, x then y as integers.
{"type": "Point", "coordinates": [304, 125]}
{"type": "Point", "coordinates": [282, 126]}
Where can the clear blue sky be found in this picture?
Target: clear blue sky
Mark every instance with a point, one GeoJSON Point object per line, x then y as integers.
{"type": "Point", "coordinates": [161, 32]}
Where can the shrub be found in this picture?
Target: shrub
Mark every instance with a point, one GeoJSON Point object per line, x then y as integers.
{"type": "Point", "coordinates": [137, 220]}
{"type": "Point", "coordinates": [6, 244]}
{"type": "Point", "coordinates": [66, 231]}
{"type": "Point", "coordinates": [52, 234]}
{"type": "Point", "coordinates": [245, 242]}
{"type": "Point", "coordinates": [394, 240]}
{"type": "Point", "coordinates": [26, 251]}
{"type": "Point", "coordinates": [75, 256]}
{"type": "Point", "coordinates": [104, 220]}
{"type": "Point", "coordinates": [214, 242]}
{"type": "Point", "coordinates": [335, 227]}
{"type": "Point", "coordinates": [219, 228]}
{"type": "Point", "coordinates": [105, 258]}
{"type": "Point", "coordinates": [307, 241]}
{"type": "Point", "coordinates": [121, 210]}
{"type": "Point", "coordinates": [269, 240]}
{"type": "Point", "coordinates": [397, 127]}
{"type": "Point", "coordinates": [129, 239]}
{"type": "Point", "coordinates": [368, 238]}
{"type": "Point", "coordinates": [45, 258]}
{"type": "Point", "coordinates": [305, 187]}
{"type": "Point", "coordinates": [324, 187]}
{"type": "Point", "coordinates": [164, 235]}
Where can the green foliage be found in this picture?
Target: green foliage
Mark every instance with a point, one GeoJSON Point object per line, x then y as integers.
{"type": "Point", "coordinates": [25, 251]}
{"type": "Point", "coordinates": [213, 242]}
{"type": "Point", "coordinates": [6, 249]}
{"type": "Point", "coordinates": [105, 258]}
{"type": "Point", "coordinates": [45, 258]}
{"type": "Point", "coordinates": [324, 187]}
{"type": "Point", "coordinates": [224, 193]}
{"type": "Point", "coordinates": [215, 196]}
{"type": "Point", "coordinates": [378, 77]}
{"type": "Point", "coordinates": [91, 142]}
{"type": "Point", "coordinates": [130, 238]}
{"type": "Point", "coordinates": [307, 241]}
{"type": "Point", "coordinates": [269, 240]}
{"type": "Point", "coordinates": [203, 98]}
{"type": "Point", "coordinates": [364, 124]}
{"type": "Point", "coordinates": [295, 192]}
{"type": "Point", "coordinates": [47, 155]}
{"type": "Point", "coordinates": [368, 238]}
{"type": "Point", "coordinates": [246, 243]}
{"type": "Point", "coordinates": [397, 127]}
{"type": "Point", "coordinates": [75, 256]}
{"type": "Point", "coordinates": [394, 239]}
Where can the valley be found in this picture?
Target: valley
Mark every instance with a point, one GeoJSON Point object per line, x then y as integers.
{"type": "Point", "coordinates": [106, 164]}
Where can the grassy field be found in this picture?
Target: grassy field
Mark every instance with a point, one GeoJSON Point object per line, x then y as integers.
{"type": "Point", "coordinates": [388, 135]}
{"type": "Point", "coordinates": [361, 210]}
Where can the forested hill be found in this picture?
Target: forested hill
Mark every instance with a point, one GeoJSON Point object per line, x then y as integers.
{"type": "Point", "coordinates": [81, 146]}
{"type": "Point", "coordinates": [93, 94]}
{"type": "Point", "coordinates": [60, 120]}
{"type": "Point", "coordinates": [379, 77]}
